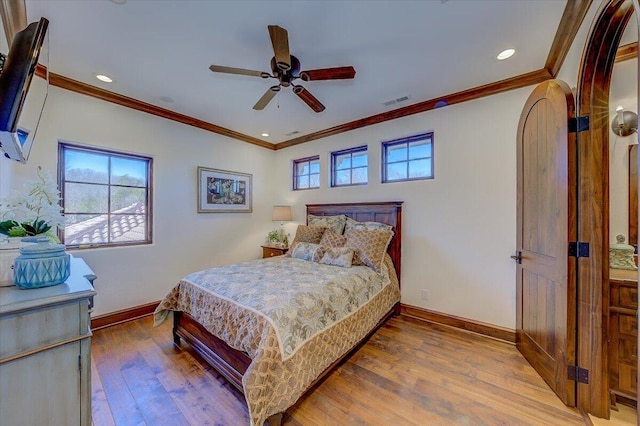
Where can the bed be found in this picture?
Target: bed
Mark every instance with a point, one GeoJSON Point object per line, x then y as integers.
{"type": "Point", "coordinates": [271, 367]}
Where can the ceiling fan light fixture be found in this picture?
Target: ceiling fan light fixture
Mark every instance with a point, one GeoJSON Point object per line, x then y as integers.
{"type": "Point", "coordinates": [505, 54]}
{"type": "Point", "coordinates": [283, 66]}
{"type": "Point", "coordinates": [104, 78]}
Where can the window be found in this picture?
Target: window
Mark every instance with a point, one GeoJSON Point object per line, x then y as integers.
{"type": "Point", "coordinates": [306, 173]}
{"type": "Point", "coordinates": [349, 167]}
{"type": "Point", "coordinates": [106, 197]}
{"type": "Point", "coordinates": [408, 158]}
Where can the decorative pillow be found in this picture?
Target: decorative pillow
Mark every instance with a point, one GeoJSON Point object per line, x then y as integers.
{"type": "Point", "coordinates": [307, 251]}
{"type": "Point", "coordinates": [342, 256]}
{"type": "Point", "coordinates": [307, 234]}
{"type": "Point", "coordinates": [332, 240]}
{"type": "Point", "coordinates": [335, 223]}
{"type": "Point", "coordinates": [369, 245]}
{"type": "Point", "coordinates": [358, 226]}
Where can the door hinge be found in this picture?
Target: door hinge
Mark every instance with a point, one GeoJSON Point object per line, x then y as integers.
{"type": "Point", "coordinates": [578, 124]}
{"type": "Point", "coordinates": [578, 249]}
{"type": "Point", "coordinates": [577, 374]}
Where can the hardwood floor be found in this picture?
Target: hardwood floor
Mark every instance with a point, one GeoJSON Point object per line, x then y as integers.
{"type": "Point", "coordinates": [409, 373]}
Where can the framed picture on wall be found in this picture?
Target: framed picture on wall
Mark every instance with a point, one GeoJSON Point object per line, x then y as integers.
{"type": "Point", "coordinates": [222, 191]}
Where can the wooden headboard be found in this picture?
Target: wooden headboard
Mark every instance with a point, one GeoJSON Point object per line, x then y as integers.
{"type": "Point", "coordinates": [389, 212]}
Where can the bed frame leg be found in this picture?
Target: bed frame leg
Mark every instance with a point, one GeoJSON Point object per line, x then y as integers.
{"type": "Point", "coordinates": [275, 420]}
{"type": "Point", "coordinates": [174, 331]}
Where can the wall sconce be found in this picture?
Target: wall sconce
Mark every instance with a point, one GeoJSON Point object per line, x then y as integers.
{"type": "Point", "coordinates": [624, 123]}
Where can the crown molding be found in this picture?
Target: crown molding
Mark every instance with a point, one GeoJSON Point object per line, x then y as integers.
{"type": "Point", "coordinates": [517, 82]}
{"type": "Point", "coordinates": [627, 51]}
{"type": "Point", "coordinates": [572, 18]}
{"type": "Point", "coordinates": [14, 17]}
{"type": "Point", "coordinates": [63, 82]}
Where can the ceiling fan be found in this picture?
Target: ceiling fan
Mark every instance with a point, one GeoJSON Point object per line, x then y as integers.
{"type": "Point", "coordinates": [286, 68]}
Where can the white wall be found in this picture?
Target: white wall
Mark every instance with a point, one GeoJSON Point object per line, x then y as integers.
{"type": "Point", "coordinates": [459, 228]}
{"type": "Point", "coordinates": [183, 240]}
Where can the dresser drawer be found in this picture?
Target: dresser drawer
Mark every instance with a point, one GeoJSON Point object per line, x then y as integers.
{"type": "Point", "coordinates": [628, 350]}
{"type": "Point", "coordinates": [272, 252]}
{"type": "Point", "coordinates": [628, 325]}
{"type": "Point", "coordinates": [628, 378]}
{"type": "Point", "coordinates": [628, 297]}
{"type": "Point", "coordinates": [45, 326]}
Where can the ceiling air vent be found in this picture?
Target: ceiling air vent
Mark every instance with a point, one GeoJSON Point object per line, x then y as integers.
{"type": "Point", "coordinates": [395, 101]}
{"type": "Point", "coordinates": [295, 132]}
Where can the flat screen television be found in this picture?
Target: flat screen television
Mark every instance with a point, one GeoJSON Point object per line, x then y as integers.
{"type": "Point", "coordinates": [16, 100]}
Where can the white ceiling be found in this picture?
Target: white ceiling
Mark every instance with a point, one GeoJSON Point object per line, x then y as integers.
{"type": "Point", "coordinates": [421, 49]}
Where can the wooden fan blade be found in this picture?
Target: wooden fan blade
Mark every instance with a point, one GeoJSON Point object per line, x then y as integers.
{"type": "Point", "coordinates": [240, 71]}
{"type": "Point", "coordinates": [266, 98]}
{"type": "Point", "coordinates": [280, 41]}
{"type": "Point", "coordinates": [308, 98]}
{"type": "Point", "coordinates": [338, 73]}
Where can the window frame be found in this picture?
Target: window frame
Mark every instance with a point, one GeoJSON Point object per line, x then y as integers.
{"type": "Point", "coordinates": [295, 174]}
{"type": "Point", "coordinates": [406, 141]}
{"type": "Point", "coordinates": [110, 153]}
{"type": "Point", "coordinates": [334, 154]}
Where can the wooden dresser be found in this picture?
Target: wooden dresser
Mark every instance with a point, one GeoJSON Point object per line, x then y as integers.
{"type": "Point", "coordinates": [623, 336]}
{"type": "Point", "coordinates": [45, 352]}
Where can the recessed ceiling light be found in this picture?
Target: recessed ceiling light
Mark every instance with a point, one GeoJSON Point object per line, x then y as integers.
{"type": "Point", "coordinates": [104, 78]}
{"type": "Point", "coordinates": [505, 54]}
{"type": "Point", "coordinates": [265, 135]}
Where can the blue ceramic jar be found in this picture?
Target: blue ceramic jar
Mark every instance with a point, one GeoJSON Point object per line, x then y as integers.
{"type": "Point", "coordinates": [41, 265]}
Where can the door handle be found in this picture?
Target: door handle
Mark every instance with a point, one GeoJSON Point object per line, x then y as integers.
{"type": "Point", "coordinates": [517, 257]}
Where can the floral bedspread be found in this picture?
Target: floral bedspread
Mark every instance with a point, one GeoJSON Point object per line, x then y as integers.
{"type": "Point", "coordinates": [292, 317]}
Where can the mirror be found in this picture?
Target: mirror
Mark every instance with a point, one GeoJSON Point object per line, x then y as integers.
{"type": "Point", "coordinates": [623, 208]}
{"type": "Point", "coordinates": [633, 196]}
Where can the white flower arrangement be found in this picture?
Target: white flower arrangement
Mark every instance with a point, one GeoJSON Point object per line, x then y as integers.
{"type": "Point", "coordinates": [34, 210]}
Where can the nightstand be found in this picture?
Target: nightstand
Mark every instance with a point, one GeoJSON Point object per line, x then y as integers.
{"type": "Point", "coordinates": [270, 251]}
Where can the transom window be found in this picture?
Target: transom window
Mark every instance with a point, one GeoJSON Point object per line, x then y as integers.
{"type": "Point", "coordinates": [350, 167]}
{"type": "Point", "coordinates": [306, 173]}
{"type": "Point", "coordinates": [106, 197]}
{"type": "Point", "coordinates": [408, 158]}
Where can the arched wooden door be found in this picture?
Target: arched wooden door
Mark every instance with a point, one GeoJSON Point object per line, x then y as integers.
{"type": "Point", "coordinates": [546, 293]}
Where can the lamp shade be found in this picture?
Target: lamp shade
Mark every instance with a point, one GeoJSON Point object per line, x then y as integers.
{"type": "Point", "coordinates": [281, 213]}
